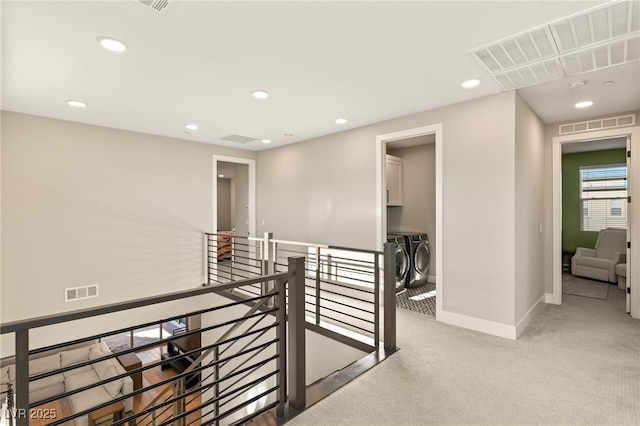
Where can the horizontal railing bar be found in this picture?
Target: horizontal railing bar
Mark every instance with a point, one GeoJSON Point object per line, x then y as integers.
{"type": "Point", "coordinates": [345, 314]}
{"type": "Point", "coordinates": [345, 323]}
{"type": "Point", "coordinates": [235, 270]}
{"type": "Point", "coordinates": [14, 326]}
{"type": "Point", "coordinates": [298, 243]}
{"type": "Point", "coordinates": [194, 390]}
{"type": "Point", "coordinates": [263, 313]}
{"type": "Point", "coordinates": [360, 280]}
{"type": "Point", "coordinates": [340, 294]}
{"type": "Point", "coordinates": [348, 286]}
{"type": "Point", "coordinates": [341, 304]}
{"type": "Point", "coordinates": [133, 328]}
{"type": "Point", "coordinates": [184, 375]}
{"type": "Point", "coordinates": [380, 253]}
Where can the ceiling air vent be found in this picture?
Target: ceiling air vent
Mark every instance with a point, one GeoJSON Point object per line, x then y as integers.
{"type": "Point", "coordinates": [238, 139]}
{"type": "Point", "coordinates": [159, 6]}
{"type": "Point", "coordinates": [599, 38]}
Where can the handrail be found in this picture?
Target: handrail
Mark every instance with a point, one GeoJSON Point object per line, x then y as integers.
{"type": "Point", "coordinates": [21, 325]}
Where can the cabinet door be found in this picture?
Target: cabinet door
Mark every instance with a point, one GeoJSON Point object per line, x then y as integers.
{"type": "Point", "coordinates": [394, 181]}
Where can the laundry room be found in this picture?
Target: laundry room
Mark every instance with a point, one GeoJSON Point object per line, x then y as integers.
{"type": "Point", "coordinates": [411, 219]}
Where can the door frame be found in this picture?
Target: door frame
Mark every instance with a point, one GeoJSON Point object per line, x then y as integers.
{"type": "Point", "coordinates": [633, 227]}
{"type": "Point", "coordinates": [252, 190]}
{"type": "Point", "coordinates": [381, 191]}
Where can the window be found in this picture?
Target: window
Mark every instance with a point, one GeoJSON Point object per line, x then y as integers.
{"type": "Point", "coordinates": [603, 194]}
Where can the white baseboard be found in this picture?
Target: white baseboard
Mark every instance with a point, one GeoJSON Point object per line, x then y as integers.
{"type": "Point", "coordinates": [478, 324]}
{"type": "Point", "coordinates": [552, 298]}
{"type": "Point", "coordinates": [526, 319]}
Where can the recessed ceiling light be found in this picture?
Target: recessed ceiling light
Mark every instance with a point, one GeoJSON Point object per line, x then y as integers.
{"type": "Point", "coordinates": [260, 94]}
{"type": "Point", "coordinates": [266, 140]}
{"type": "Point", "coordinates": [220, 175]}
{"type": "Point", "coordinates": [191, 126]}
{"type": "Point", "coordinates": [584, 104]}
{"type": "Point", "coordinates": [608, 83]}
{"type": "Point", "coordinates": [76, 104]}
{"type": "Point", "coordinates": [471, 83]}
{"type": "Point", "coordinates": [341, 120]}
{"type": "Point", "coordinates": [112, 44]}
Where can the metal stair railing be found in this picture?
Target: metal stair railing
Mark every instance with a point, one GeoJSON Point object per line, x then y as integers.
{"type": "Point", "coordinates": [250, 352]}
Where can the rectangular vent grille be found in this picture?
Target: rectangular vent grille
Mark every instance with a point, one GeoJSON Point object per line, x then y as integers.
{"type": "Point", "coordinates": [592, 40]}
{"type": "Point", "coordinates": [159, 6]}
{"type": "Point", "coordinates": [238, 139]}
{"type": "Point", "coordinates": [78, 293]}
{"type": "Point", "coordinates": [605, 123]}
{"type": "Point", "coordinates": [597, 26]}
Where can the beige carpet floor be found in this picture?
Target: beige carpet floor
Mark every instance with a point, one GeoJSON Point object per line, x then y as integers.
{"type": "Point", "coordinates": [576, 364]}
{"type": "Point", "coordinates": [584, 287]}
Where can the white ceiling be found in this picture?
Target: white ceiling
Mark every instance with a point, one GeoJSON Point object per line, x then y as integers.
{"type": "Point", "coordinates": [199, 61]}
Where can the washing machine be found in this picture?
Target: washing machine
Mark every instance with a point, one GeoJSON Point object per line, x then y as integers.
{"type": "Point", "coordinates": [402, 260]}
{"type": "Point", "coordinates": [420, 258]}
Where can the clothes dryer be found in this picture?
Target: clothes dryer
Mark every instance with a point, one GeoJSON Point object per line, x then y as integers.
{"type": "Point", "coordinates": [420, 258]}
{"type": "Point", "coordinates": [402, 260]}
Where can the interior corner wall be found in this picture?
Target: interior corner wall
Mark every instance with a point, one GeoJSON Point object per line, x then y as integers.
{"type": "Point", "coordinates": [323, 191]}
{"type": "Point", "coordinates": [551, 130]}
{"type": "Point", "coordinates": [83, 205]}
{"type": "Point", "coordinates": [529, 215]}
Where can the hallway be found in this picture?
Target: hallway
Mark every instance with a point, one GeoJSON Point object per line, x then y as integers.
{"type": "Point", "coordinates": [578, 363]}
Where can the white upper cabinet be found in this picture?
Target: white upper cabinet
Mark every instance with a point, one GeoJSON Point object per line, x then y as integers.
{"type": "Point", "coordinates": [394, 181]}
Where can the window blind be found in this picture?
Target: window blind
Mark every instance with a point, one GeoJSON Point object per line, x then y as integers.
{"type": "Point", "coordinates": [603, 194]}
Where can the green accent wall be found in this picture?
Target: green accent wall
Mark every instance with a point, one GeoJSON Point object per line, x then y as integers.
{"type": "Point", "coordinates": [572, 237]}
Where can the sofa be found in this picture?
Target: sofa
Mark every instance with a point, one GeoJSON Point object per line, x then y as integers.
{"type": "Point", "coordinates": [600, 262]}
{"type": "Point", "coordinates": [74, 379]}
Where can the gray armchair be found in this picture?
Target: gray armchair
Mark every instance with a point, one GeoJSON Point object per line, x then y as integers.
{"type": "Point", "coordinates": [600, 262]}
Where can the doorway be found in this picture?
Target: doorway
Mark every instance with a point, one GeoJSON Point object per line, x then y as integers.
{"type": "Point", "coordinates": [632, 138]}
{"type": "Point", "coordinates": [235, 196]}
{"type": "Point", "coordinates": [435, 132]}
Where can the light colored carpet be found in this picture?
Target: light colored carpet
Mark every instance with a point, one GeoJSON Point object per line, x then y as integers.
{"type": "Point", "coordinates": [584, 287]}
{"type": "Point", "coordinates": [577, 363]}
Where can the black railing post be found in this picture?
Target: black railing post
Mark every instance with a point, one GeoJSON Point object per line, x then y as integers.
{"type": "Point", "coordinates": [318, 299]}
{"type": "Point", "coordinates": [207, 242]}
{"type": "Point", "coordinates": [281, 333]}
{"type": "Point", "coordinates": [376, 300]}
{"type": "Point", "coordinates": [268, 264]}
{"type": "Point", "coordinates": [22, 379]}
{"type": "Point", "coordinates": [297, 328]}
{"type": "Point", "coordinates": [389, 297]}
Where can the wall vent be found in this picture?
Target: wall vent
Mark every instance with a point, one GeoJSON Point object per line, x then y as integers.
{"type": "Point", "coordinates": [159, 6]}
{"type": "Point", "coordinates": [238, 139]}
{"type": "Point", "coordinates": [604, 123]}
{"type": "Point", "coordinates": [78, 293]}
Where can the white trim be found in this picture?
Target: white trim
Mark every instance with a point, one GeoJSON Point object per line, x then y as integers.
{"type": "Point", "coordinates": [252, 189]}
{"type": "Point", "coordinates": [478, 324]}
{"type": "Point", "coordinates": [529, 316]}
{"type": "Point", "coordinates": [381, 207]}
{"type": "Point", "coordinates": [633, 225]}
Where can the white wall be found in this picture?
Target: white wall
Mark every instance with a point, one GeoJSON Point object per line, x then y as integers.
{"type": "Point", "coordinates": [323, 191]}
{"type": "Point", "coordinates": [529, 198]}
{"type": "Point", "coordinates": [84, 205]}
